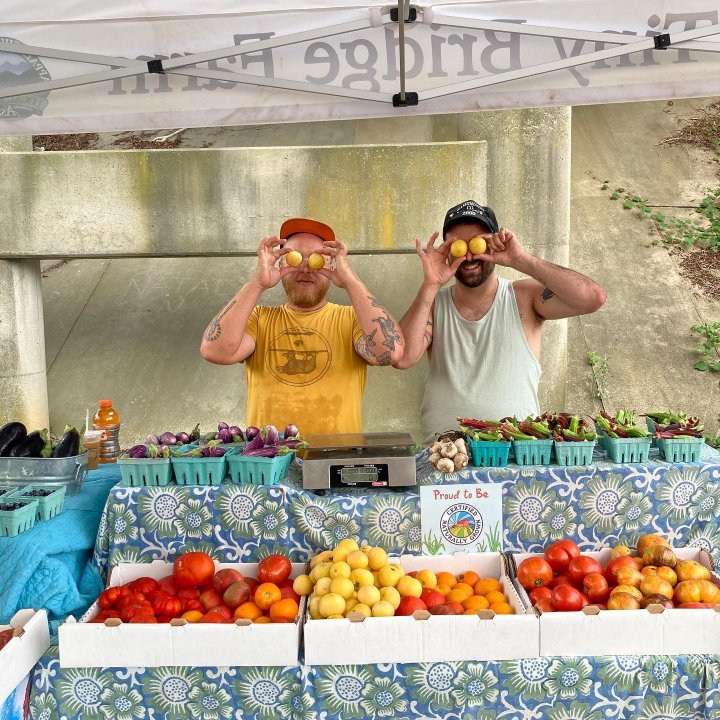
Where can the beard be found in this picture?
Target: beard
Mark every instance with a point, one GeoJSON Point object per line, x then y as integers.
{"type": "Point", "coordinates": [474, 278]}
{"type": "Point", "coordinates": [304, 295]}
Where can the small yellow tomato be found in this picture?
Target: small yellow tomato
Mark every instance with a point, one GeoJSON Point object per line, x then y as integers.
{"type": "Point", "coordinates": [477, 245]}
{"type": "Point", "coordinates": [316, 261]}
{"type": "Point", "coordinates": [294, 258]}
{"type": "Point", "coordinates": [458, 248]}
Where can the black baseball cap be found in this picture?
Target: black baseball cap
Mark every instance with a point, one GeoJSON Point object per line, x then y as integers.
{"type": "Point", "coordinates": [470, 211]}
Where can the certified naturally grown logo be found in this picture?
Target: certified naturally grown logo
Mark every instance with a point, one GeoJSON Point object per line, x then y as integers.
{"type": "Point", "coordinates": [461, 524]}
{"type": "Point", "coordinates": [20, 69]}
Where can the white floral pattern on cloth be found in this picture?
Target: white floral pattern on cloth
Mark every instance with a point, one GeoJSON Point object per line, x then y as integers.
{"type": "Point", "coordinates": [651, 687]}
{"type": "Point", "coordinates": [594, 506]}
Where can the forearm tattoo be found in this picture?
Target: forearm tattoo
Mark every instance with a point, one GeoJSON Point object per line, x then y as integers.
{"type": "Point", "coordinates": [388, 328]}
{"type": "Point", "coordinates": [363, 345]}
{"type": "Point", "coordinates": [547, 294]}
{"type": "Point", "coordinates": [214, 329]}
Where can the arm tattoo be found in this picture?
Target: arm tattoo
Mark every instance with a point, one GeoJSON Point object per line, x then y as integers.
{"type": "Point", "coordinates": [363, 345]}
{"type": "Point", "coordinates": [214, 328]}
{"type": "Point", "coordinates": [387, 327]}
{"type": "Point", "coordinates": [428, 331]}
{"type": "Point", "coordinates": [547, 294]}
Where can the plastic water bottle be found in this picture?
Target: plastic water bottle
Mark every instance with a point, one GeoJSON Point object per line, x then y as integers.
{"type": "Point", "coordinates": [107, 419]}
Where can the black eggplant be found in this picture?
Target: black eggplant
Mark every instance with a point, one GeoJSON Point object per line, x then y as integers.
{"type": "Point", "coordinates": [31, 447]}
{"type": "Point", "coordinates": [11, 434]}
{"type": "Point", "coordinates": [68, 445]}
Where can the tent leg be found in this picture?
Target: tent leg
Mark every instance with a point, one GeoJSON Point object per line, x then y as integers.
{"type": "Point", "coordinates": [23, 377]}
{"type": "Point", "coordinates": [528, 179]}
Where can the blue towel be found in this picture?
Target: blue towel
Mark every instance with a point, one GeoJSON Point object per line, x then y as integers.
{"type": "Point", "coordinates": [50, 566]}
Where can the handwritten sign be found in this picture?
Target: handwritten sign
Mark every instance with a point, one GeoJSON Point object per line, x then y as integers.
{"type": "Point", "coordinates": [457, 518]}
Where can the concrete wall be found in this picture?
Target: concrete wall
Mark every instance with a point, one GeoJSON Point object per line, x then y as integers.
{"type": "Point", "coordinates": [130, 329]}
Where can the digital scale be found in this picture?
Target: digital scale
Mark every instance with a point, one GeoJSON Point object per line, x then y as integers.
{"type": "Point", "coordinates": [359, 460]}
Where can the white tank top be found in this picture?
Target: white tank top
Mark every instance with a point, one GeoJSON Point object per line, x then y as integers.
{"type": "Point", "coordinates": [482, 369]}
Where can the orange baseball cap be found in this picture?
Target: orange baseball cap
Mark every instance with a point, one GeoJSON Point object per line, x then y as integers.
{"type": "Point", "coordinates": [305, 225]}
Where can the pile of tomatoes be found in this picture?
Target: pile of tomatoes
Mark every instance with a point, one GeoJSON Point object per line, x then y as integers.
{"type": "Point", "coordinates": [563, 579]}
{"type": "Point", "coordinates": [197, 593]}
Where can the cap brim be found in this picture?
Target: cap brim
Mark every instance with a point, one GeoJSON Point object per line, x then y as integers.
{"type": "Point", "coordinates": [468, 219]}
{"type": "Point", "coordinates": [305, 225]}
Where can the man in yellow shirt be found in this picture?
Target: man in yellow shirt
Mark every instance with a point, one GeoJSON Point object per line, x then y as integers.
{"type": "Point", "coordinates": [306, 360]}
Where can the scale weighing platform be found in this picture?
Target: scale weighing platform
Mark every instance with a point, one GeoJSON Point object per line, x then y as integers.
{"type": "Point", "coordinates": [359, 460]}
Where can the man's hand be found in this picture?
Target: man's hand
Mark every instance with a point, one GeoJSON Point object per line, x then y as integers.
{"type": "Point", "coordinates": [435, 262]}
{"type": "Point", "coordinates": [338, 269]}
{"type": "Point", "coordinates": [503, 248]}
{"type": "Point", "coordinates": [267, 275]}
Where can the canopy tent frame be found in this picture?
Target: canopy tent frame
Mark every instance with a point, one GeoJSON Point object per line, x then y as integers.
{"type": "Point", "coordinates": [403, 13]}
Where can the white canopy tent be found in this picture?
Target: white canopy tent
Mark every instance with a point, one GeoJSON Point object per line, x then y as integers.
{"type": "Point", "coordinates": [175, 63]}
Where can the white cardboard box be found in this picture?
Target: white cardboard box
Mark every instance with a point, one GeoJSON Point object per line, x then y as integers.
{"type": "Point", "coordinates": [656, 631]}
{"type": "Point", "coordinates": [434, 638]}
{"type": "Point", "coordinates": [31, 639]}
{"type": "Point", "coordinates": [85, 644]}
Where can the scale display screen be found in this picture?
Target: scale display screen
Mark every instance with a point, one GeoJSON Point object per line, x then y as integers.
{"type": "Point", "coordinates": [371, 474]}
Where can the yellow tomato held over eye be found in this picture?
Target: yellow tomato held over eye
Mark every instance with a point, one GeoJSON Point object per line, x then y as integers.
{"type": "Point", "coordinates": [294, 258]}
{"type": "Point", "coordinates": [316, 261]}
{"type": "Point", "coordinates": [458, 248]}
{"type": "Point", "coordinates": [477, 245]}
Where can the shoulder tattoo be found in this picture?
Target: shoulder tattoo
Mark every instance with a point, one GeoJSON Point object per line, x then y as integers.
{"type": "Point", "coordinates": [547, 294]}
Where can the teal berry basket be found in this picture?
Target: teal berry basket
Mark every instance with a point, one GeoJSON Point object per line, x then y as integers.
{"type": "Point", "coordinates": [676, 450]}
{"type": "Point", "coordinates": [489, 453]}
{"type": "Point", "coordinates": [199, 470]}
{"type": "Point", "coordinates": [50, 499]}
{"type": "Point", "coordinates": [259, 470]}
{"type": "Point", "coordinates": [533, 452]}
{"type": "Point", "coordinates": [627, 450]}
{"type": "Point", "coordinates": [574, 453]}
{"type": "Point", "coordinates": [15, 520]}
{"type": "Point", "coordinates": [145, 472]}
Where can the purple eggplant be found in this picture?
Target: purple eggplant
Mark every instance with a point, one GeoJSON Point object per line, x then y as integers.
{"type": "Point", "coordinates": [224, 435]}
{"type": "Point", "coordinates": [251, 432]}
{"type": "Point", "coordinates": [271, 435]}
{"type": "Point", "coordinates": [257, 443]}
{"type": "Point", "coordinates": [195, 433]}
{"type": "Point", "coordinates": [291, 431]}
{"type": "Point", "coordinates": [222, 426]}
{"type": "Point", "coordinates": [213, 451]}
{"type": "Point", "coordinates": [235, 430]}
{"type": "Point", "coordinates": [137, 452]}
{"type": "Point", "coordinates": [153, 440]}
{"type": "Point", "coordinates": [168, 438]}
{"type": "Point", "coordinates": [182, 438]}
{"type": "Point", "coordinates": [269, 451]}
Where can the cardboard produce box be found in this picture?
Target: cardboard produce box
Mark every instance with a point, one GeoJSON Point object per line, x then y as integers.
{"type": "Point", "coordinates": [118, 644]}
{"type": "Point", "coordinates": [429, 638]}
{"type": "Point", "coordinates": [31, 638]}
{"type": "Point", "coordinates": [652, 631]}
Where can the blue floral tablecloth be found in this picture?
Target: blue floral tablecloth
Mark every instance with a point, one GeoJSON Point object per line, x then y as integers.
{"type": "Point", "coordinates": [642, 687]}
{"type": "Point", "coordinates": [598, 505]}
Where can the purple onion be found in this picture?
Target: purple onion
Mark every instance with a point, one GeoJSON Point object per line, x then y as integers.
{"type": "Point", "coordinates": [251, 432]}
{"type": "Point", "coordinates": [291, 431]}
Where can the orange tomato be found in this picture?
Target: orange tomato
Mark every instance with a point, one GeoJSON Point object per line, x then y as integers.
{"type": "Point", "coordinates": [248, 610]}
{"type": "Point", "coordinates": [459, 596]}
{"type": "Point", "coordinates": [629, 589]}
{"type": "Point", "coordinates": [446, 578]}
{"type": "Point", "coordinates": [622, 601]}
{"type": "Point", "coordinates": [647, 541]}
{"type": "Point", "coordinates": [486, 585]}
{"type": "Point", "coordinates": [443, 589]}
{"type": "Point", "coordinates": [475, 603]}
{"type": "Point", "coordinates": [465, 587]}
{"type": "Point", "coordinates": [495, 596]}
{"type": "Point", "coordinates": [263, 619]}
{"type": "Point", "coordinates": [192, 616]}
{"type": "Point", "coordinates": [628, 576]}
{"type": "Point", "coordinates": [469, 577]}
{"type": "Point", "coordinates": [656, 585]}
{"type": "Point", "coordinates": [687, 591]}
{"type": "Point", "coordinates": [709, 592]}
{"type": "Point", "coordinates": [284, 610]}
{"type": "Point", "coordinates": [502, 608]}
{"type": "Point", "coordinates": [266, 594]}
{"type": "Point", "coordinates": [691, 570]}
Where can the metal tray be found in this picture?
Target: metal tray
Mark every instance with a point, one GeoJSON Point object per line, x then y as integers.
{"type": "Point", "coordinates": [69, 471]}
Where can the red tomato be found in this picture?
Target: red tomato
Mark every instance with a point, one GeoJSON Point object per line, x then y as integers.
{"type": "Point", "coordinates": [193, 569]}
{"type": "Point", "coordinates": [168, 585]}
{"type": "Point", "coordinates": [286, 591]}
{"type": "Point", "coordinates": [144, 585]}
{"type": "Point", "coordinates": [581, 565]}
{"type": "Point", "coordinates": [612, 567]}
{"type": "Point", "coordinates": [596, 587]}
{"type": "Point", "coordinates": [109, 598]}
{"type": "Point", "coordinates": [140, 608]}
{"type": "Point", "coordinates": [212, 617]}
{"type": "Point", "coordinates": [167, 605]}
{"type": "Point", "coordinates": [566, 598]}
{"type": "Point", "coordinates": [534, 572]}
{"type": "Point", "coordinates": [143, 618]}
{"type": "Point", "coordinates": [274, 569]}
{"type": "Point", "coordinates": [539, 592]}
{"type": "Point", "coordinates": [545, 604]}
{"type": "Point", "coordinates": [192, 604]}
{"type": "Point", "coordinates": [210, 599]}
{"type": "Point", "coordinates": [561, 580]}
{"type": "Point", "coordinates": [560, 553]}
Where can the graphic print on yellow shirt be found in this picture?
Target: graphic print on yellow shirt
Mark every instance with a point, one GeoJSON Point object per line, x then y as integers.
{"type": "Point", "coordinates": [305, 369]}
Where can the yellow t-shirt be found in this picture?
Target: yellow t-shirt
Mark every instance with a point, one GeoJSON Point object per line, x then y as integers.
{"type": "Point", "coordinates": [305, 369]}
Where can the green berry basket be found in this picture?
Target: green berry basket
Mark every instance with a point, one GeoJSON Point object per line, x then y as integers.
{"type": "Point", "coordinates": [199, 470]}
{"type": "Point", "coordinates": [259, 470]}
{"type": "Point", "coordinates": [489, 453]}
{"type": "Point", "coordinates": [144, 472]}
{"type": "Point", "coordinates": [574, 453]}
{"type": "Point", "coordinates": [50, 499]}
{"type": "Point", "coordinates": [627, 450]}
{"type": "Point", "coordinates": [14, 520]}
{"type": "Point", "coordinates": [533, 452]}
{"type": "Point", "coordinates": [677, 450]}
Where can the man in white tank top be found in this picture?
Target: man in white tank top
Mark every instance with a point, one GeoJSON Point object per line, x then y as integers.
{"type": "Point", "coordinates": [482, 334]}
